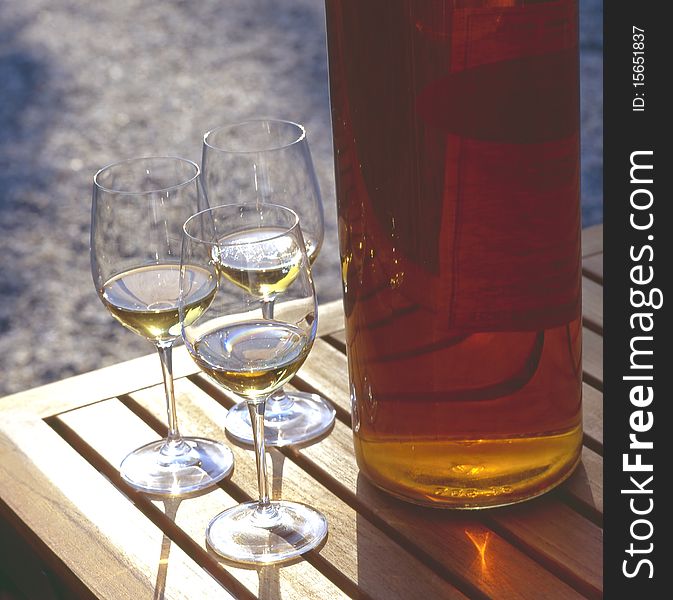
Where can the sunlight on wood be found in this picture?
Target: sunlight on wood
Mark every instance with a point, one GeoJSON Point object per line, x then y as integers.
{"type": "Point", "coordinates": [480, 540]}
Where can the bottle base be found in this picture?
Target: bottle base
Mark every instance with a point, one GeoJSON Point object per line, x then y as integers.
{"type": "Point", "coordinates": [470, 474]}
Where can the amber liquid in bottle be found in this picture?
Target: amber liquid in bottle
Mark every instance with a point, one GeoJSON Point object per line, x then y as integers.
{"type": "Point", "coordinates": [456, 136]}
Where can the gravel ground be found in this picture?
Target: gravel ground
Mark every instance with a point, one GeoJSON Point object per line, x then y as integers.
{"type": "Point", "coordinates": [85, 83]}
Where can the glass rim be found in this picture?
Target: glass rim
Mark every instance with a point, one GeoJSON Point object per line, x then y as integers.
{"type": "Point", "coordinates": [97, 184]}
{"type": "Point", "coordinates": [301, 136]}
{"type": "Point", "coordinates": [285, 230]}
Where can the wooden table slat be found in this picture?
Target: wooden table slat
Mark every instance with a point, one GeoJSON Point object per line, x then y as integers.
{"type": "Point", "coordinates": [586, 483]}
{"type": "Point", "coordinates": [592, 358]}
{"type": "Point", "coordinates": [592, 304]}
{"type": "Point", "coordinates": [592, 240]}
{"type": "Point", "coordinates": [592, 415]}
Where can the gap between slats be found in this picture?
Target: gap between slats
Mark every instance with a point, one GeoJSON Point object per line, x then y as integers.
{"type": "Point", "coordinates": [592, 359]}
{"type": "Point", "coordinates": [592, 267]}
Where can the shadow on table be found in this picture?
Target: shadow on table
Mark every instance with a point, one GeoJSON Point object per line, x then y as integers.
{"type": "Point", "coordinates": [442, 533]}
{"type": "Point", "coordinates": [451, 541]}
{"type": "Point", "coordinates": [269, 582]}
{"type": "Point", "coordinates": [580, 481]}
{"type": "Point", "coordinates": [268, 575]}
{"type": "Point", "coordinates": [171, 506]}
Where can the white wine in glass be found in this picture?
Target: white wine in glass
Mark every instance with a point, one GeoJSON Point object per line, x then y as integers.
{"type": "Point", "coordinates": [139, 207]}
{"type": "Point", "coordinates": [255, 251]}
{"type": "Point", "coordinates": [252, 358]}
{"type": "Point", "coordinates": [144, 299]}
{"type": "Point", "coordinates": [267, 278]}
{"type": "Point", "coordinates": [269, 161]}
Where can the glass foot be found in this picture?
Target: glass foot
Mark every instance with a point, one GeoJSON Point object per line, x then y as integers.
{"type": "Point", "coordinates": [297, 418]}
{"type": "Point", "coordinates": [195, 466]}
{"type": "Point", "coordinates": [280, 532]}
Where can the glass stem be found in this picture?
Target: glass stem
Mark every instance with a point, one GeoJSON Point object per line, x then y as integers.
{"type": "Point", "coordinates": [267, 307]}
{"type": "Point", "coordinates": [279, 402]}
{"type": "Point", "coordinates": [256, 410]}
{"type": "Point", "coordinates": [174, 443]}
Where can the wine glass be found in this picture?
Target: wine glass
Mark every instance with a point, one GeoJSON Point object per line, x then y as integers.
{"type": "Point", "coordinates": [257, 255]}
{"type": "Point", "coordinates": [139, 207]}
{"type": "Point", "coordinates": [268, 161]}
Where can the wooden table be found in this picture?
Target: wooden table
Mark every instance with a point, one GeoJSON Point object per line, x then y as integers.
{"type": "Point", "coordinates": [67, 513]}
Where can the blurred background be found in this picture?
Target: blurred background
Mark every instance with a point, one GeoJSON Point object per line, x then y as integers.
{"type": "Point", "coordinates": [85, 83]}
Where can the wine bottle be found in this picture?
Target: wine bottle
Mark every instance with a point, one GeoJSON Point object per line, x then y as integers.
{"type": "Point", "coordinates": [456, 138]}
